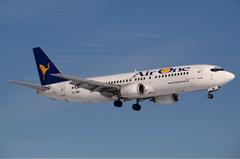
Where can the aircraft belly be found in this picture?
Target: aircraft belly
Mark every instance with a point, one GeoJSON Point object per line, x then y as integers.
{"type": "Point", "coordinates": [51, 95]}
{"type": "Point", "coordinates": [85, 96]}
{"type": "Point", "coordinates": [82, 96]}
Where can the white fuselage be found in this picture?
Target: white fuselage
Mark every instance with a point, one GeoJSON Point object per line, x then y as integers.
{"type": "Point", "coordinates": [164, 81]}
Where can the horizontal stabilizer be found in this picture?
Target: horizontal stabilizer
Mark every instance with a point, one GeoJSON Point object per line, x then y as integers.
{"type": "Point", "coordinates": [30, 85]}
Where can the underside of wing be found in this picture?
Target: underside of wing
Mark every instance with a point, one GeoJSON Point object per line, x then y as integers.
{"type": "Point", "coordinates": [105, 89]}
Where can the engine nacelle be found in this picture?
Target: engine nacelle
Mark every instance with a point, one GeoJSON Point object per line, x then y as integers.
{"type": "Point", "coordinates": [166, 99]}
{"type": "Point", "coordinates": [133, 90]}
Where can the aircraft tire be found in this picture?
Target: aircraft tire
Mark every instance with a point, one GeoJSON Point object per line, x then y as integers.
{"type": "Point", "coordinates": [118, 103]}
{"type": "Point", "coordinates": [210, 96]}
{"type": "Point", "coordinates": [136, 107]}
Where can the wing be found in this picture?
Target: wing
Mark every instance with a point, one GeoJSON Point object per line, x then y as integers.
{"type": "Point", "coordinates": [105, 89]}
{"type": "Point", "coordinates": [30, 85]}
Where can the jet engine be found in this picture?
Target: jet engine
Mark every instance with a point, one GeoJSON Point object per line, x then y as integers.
{"type": "Point", "coordinates": [133, 91]}
{"type": "Point", "coordinates": [166, 99]}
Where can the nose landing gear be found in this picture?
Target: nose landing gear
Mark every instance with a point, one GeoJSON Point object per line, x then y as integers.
{"type": "Point", "coordinates": [210, 95]}
{"type": "Point", "coordinates": [210, 90]}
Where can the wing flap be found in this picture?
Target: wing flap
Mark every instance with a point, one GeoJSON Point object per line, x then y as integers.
{"type": "Point", "coordinates": [30, 85]}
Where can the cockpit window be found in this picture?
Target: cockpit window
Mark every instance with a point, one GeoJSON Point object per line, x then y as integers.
{"type": "Point", "coordinates": [215, 69]}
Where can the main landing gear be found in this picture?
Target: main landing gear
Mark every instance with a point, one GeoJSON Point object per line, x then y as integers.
{"type": "Point", "coordinates": [137, 106]}
{"type": "Point", "coordinates": [118, 103]}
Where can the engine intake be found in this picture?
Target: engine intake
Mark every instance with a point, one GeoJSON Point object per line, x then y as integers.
{"type": "Point", "coordinates": [133, 90]}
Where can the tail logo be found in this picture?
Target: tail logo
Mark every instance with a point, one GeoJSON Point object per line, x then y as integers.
{"type": "Point", "coordinates": [44, 69]}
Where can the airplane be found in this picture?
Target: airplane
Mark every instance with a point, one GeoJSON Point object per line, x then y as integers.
{"type": "Point", "coordinates": [161, 86]}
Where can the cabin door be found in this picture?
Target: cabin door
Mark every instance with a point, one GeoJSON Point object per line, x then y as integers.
{"type": "Point", "coordinates": [199, 72]}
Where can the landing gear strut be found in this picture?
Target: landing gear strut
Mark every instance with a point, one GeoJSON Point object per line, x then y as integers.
{"type": "Point", "coordinates": [137, 106]}
{"type": "Point", "coordinates": [118, 103]}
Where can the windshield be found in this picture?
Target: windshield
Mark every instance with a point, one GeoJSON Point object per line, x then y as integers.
{"type": "Point", "coordinates": [215, 69]}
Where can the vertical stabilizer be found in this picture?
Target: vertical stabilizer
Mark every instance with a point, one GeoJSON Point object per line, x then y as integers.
{"type": "Point", "coordinates": [45, 68]}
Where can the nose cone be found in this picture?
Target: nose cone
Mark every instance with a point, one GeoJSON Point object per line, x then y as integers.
{"type": "Point", "coordinates": [229, 76]}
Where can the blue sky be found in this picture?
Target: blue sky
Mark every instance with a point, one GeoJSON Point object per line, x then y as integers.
{"type": "Point", "coordinates": [91, 38]}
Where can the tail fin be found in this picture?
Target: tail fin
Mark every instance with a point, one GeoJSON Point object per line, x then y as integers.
{"type": "Point", "coordinates": [45, 68]}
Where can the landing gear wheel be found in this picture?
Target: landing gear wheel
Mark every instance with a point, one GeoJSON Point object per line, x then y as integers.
{"type": "Point", "coordinates": [136, 107]}
{"type": "Point", "coordinates": [210, 96]}
{"type": "Point", "coordinates": [118, 103]}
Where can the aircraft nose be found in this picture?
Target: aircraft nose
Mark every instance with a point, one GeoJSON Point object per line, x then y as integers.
{"type": "Point", "coordinates": [229, 76]}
